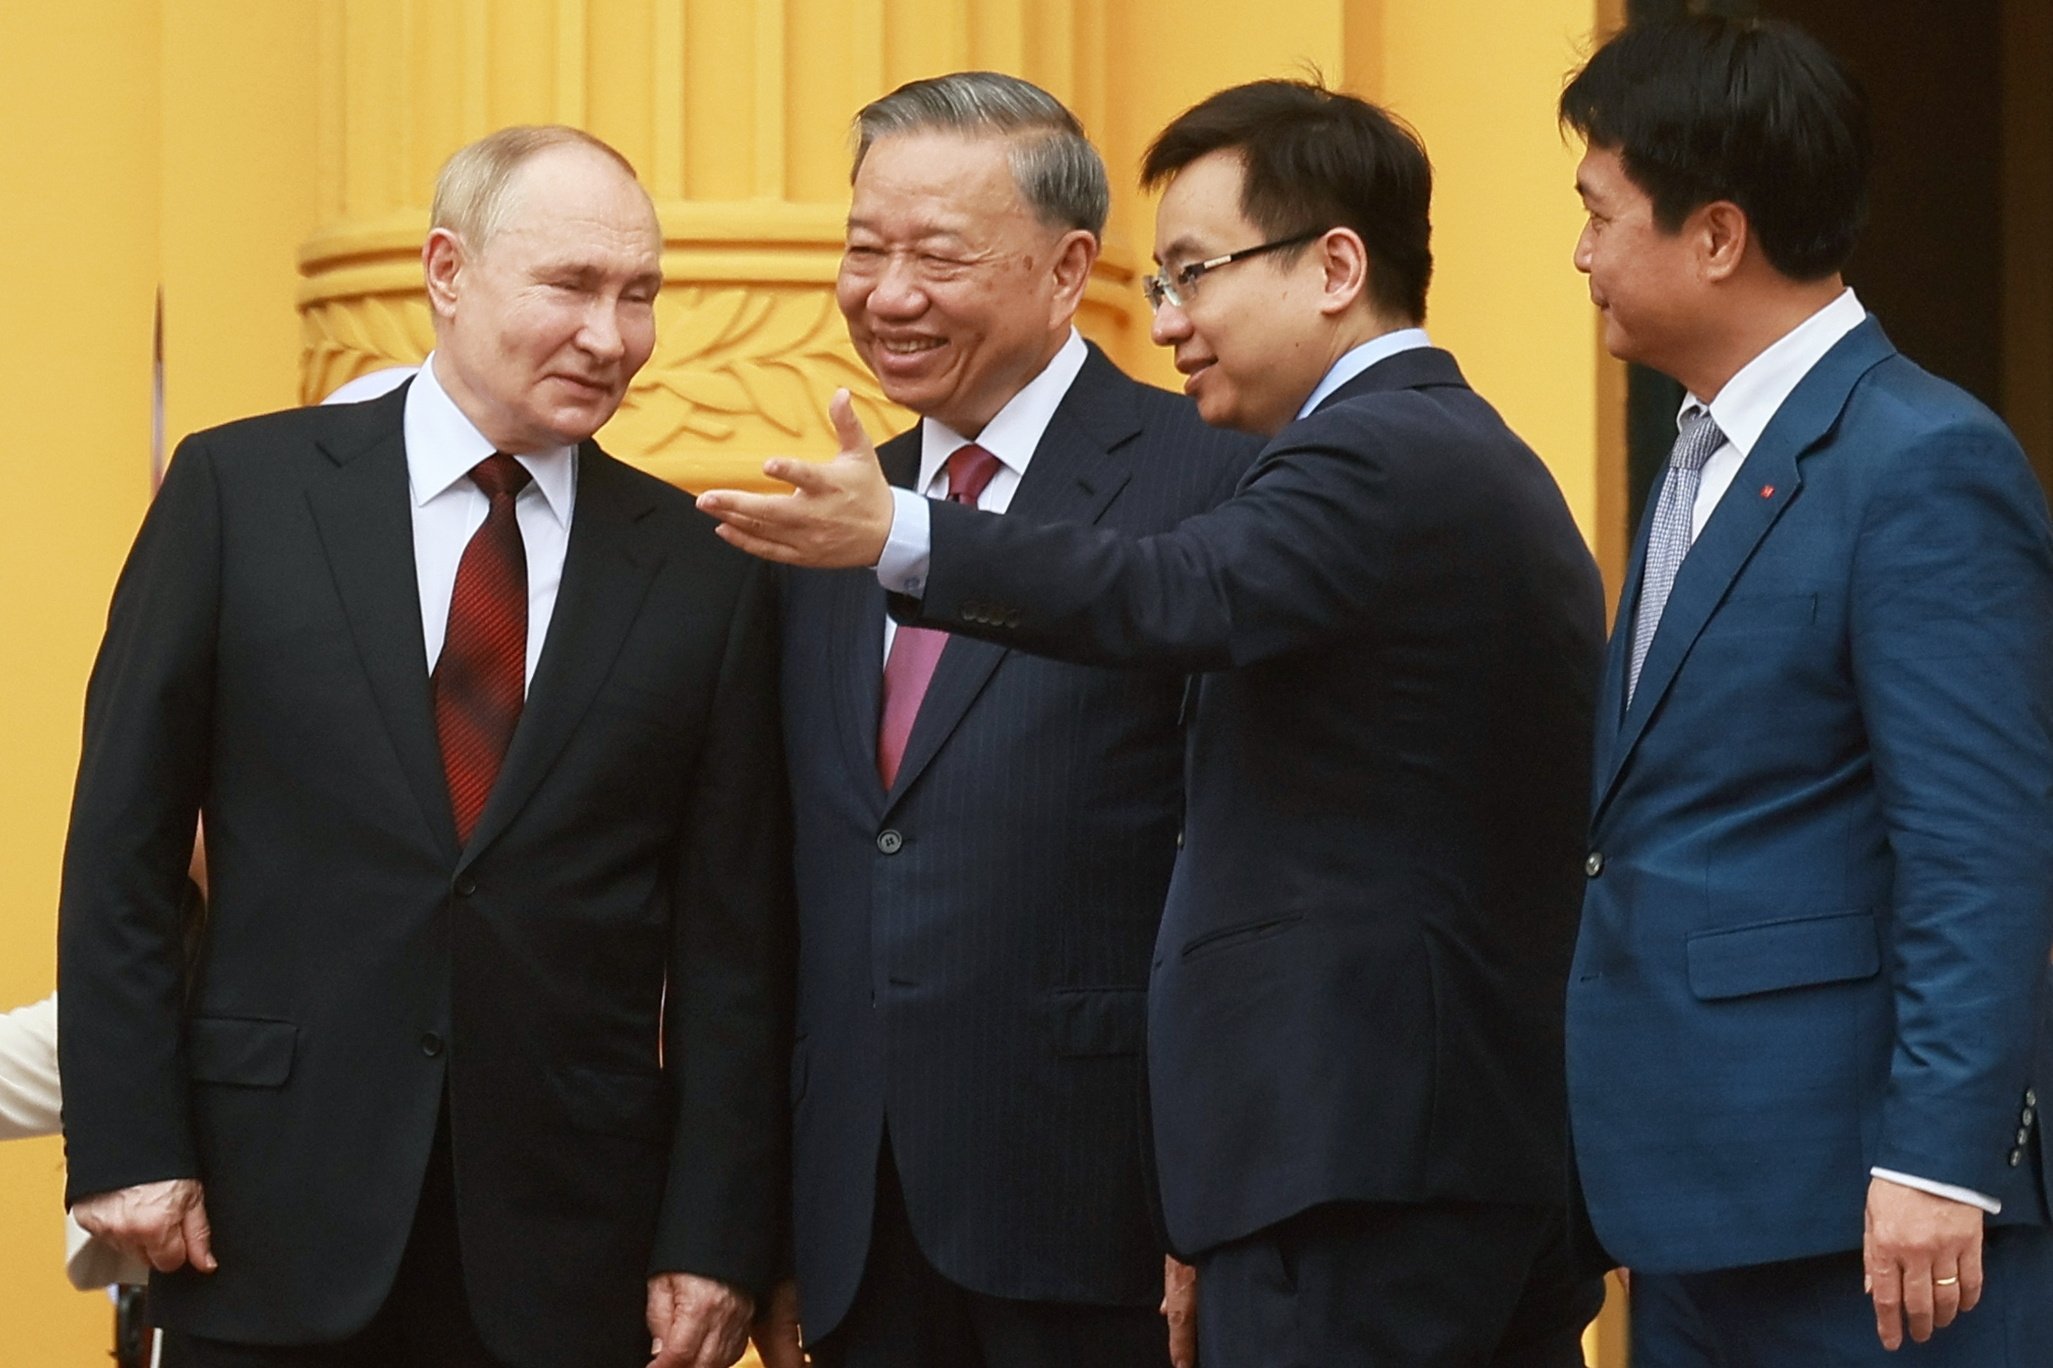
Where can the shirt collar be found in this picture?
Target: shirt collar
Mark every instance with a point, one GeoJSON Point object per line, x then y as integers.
{"type": "Point", "coordinates": [1359, 358]}
{"type": "Point", "coordinates": [442, 445]}
{"type": "Point", "coordinates": [1751, 397]}
{"type": "Point", "coordinates": [1015, 430]}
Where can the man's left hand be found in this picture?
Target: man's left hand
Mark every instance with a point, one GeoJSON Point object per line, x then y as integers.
{"type": "Point", "coordinates": [696, 1322]}
{"type": "Point", "coordinates": [1180, 1310]}
{"type": "Point", "coordinates": [837, 516]}
{"type": "Point", "coordinates": [1923, 1256]}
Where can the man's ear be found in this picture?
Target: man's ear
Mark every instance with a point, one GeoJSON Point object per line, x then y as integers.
{"type": "Point", "coordinates": [1076, 251]}
{"type": "Point", "coordinates": [442, 263]}
{"type": "Point", "coordinates": [1344, 270]}
{"type": "Point", "coordinates": [1723, 237]}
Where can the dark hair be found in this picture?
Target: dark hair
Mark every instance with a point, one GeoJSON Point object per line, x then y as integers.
{"type": "Point", "coordinates": [1756, 112]}
{"type": "Point", "coordinates": [1058, 172]}
{"type": "Point", "coordinates": [1315, 159]}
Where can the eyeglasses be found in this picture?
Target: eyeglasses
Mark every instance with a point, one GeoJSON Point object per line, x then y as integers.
{"type": "Point", "coordinates": [1179, 286]}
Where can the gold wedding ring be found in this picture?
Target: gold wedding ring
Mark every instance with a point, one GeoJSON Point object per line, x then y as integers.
{"type": "Point", "coordinates": [1946, 1282]}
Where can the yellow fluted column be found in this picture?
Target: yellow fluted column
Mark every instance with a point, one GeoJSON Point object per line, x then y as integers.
{"type": "Point", "coordinates": [736, 114]}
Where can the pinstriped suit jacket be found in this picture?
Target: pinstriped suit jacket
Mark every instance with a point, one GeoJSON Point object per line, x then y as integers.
{"type": "Point", "coordinates": [975, 943]}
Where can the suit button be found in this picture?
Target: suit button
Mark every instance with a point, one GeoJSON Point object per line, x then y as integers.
{"type": "Point", "coordinates": [2022, 1136]}
{"type": "Point", "coordinates": [2026, 1116]}
{"type": "Point", "coordinates": [889, 841]}
{"type": "Point", "coordinates": [466, 886]}
{"type": "Point", "coordinates": [2031, 1099]}
{"type": "Point", "coordinates": [2016, 1157]}
{"type": "Point", "coordinates": [431, 1045]}
{"type": "Point", "coordinates": [1593, 864]}
{"type": "Point", "coordinates": [1012, 618]}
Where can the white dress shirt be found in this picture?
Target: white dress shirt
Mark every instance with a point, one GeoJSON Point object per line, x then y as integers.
{"type": "Point", "coordinates": [1359, 358]}
{"type": "Point", "coordinates": [441, 447]}
{"type": "Point", "coordinates": [1751, 397]}
{"type": "Point", "coordinates": [1011, 435]}
{"type": "Point", "coordinates": [1743, 410]}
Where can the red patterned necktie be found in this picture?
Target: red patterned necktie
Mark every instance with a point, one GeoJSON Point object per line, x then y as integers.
{"type": "Point", "coordinates": [481, 678]}
{"type": "Point", "coordinates": [915, 650]}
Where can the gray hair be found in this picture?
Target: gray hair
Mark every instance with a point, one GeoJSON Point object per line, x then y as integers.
{"type": "Point", "coordinates": [471, 189]}
{"type": "Point", "coordinates": [1057, 170]}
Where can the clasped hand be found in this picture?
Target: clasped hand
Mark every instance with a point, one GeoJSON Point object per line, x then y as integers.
{"type": "Point", "coordinates": [164, 1222]}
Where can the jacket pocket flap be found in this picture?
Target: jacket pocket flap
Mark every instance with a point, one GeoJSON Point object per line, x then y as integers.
{"type": "Point", "coordinates": [1100, 1021]}
{"type": "Point", "coordinates": [1770, 956]}
{"type": "Point", "coordinates": [249, 1051]}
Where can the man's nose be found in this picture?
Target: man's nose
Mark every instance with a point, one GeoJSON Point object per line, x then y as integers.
{"type": "Point", "coordinates": [898, 292]}
{"type": "Point", "coordinates": [1169, 326]}
{"type": "Point", "coordinates": [602, 335]}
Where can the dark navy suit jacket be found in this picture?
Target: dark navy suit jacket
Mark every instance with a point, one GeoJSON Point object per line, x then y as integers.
{"type": "Point", "coordinates": [974, 943]}
{"type": "Point", "coordinates": [1815, 936]}
{"type": "Point", "coordinates": [1356, 993]}
{"type": "Point", "coordinates": [594, 988]}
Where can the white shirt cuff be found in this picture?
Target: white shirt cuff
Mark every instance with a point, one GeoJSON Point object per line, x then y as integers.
{"type": "Point", "coordinates": [1958, 1194]}
{"type": "Point", "coordinates": [902, 568]}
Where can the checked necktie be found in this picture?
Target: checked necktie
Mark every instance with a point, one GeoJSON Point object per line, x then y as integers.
{"type": "Point", "coordinates": [481, 678]}
{"type": "Point", "coordinates": [915, 650]}
{"type": "Point", "coordinates": [1669, 539]}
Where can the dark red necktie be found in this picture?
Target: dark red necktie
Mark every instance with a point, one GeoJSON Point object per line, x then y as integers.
{"type": "Point", "coordinates": [916, 650]}
{"type": "Point", "coordinates": [481, 677]}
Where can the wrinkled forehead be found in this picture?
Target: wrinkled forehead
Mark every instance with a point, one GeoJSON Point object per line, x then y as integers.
{"type": "Point", "coordinates": [939, 181]}
{"type": "Point", "coordinates": [571, 189]}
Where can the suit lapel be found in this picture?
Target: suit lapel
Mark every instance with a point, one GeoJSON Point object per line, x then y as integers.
{"type": "Point", "coordinates": [1611, 688]}
{"type": "Point", "coordinates": [362, 510]}
{"type": "Point", "coordinates": [856, 668]}
{"type": "Point", "coordinates": [1076, 472]}
{"type": "Point", "coordinates": [607, 568]}
{"type": "Point", "coordinates": [1767, 482]}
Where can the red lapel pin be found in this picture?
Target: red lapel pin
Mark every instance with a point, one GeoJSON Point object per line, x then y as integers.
{"type": "Point", "coordinates": [1767, 491]}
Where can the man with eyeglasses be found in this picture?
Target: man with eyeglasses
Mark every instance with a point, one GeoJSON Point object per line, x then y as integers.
{"type": "Point", "coordinates": [1355, 1013]}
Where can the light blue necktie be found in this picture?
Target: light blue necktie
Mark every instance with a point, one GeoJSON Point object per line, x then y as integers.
{"type": "Point", "coordinates": [1669, 541]}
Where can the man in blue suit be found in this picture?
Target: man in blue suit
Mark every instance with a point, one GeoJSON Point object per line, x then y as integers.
{"type": "Point", "coordinates": [1808, 1015]}
{"type": "Point", "coordinates": [986, 836]}
{"type": "Point", "coordinates": [1354, 1015]}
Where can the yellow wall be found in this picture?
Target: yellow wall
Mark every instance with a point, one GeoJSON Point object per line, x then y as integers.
{"type": "Point", "coordinates": [199, 147]}
{"type": "Point", "coordinates": [78, 157]}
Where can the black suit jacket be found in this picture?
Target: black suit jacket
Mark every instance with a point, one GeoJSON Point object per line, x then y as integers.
{"type": "Point", "coordinates": [974, 943]}
{"type": "Point", "coordinates": [1357, 991]}
{"type": "Point", "coordinates": [264, 664]}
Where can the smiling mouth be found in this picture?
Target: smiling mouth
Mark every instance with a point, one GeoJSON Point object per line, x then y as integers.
{"type": "Point", "coordinates": [911, 346]}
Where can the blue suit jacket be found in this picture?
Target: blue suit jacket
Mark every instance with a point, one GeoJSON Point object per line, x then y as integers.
{"type": "Point", "coordinates": [1356, 993]}
{"type": "Point", "coordinates": [1820, 902]}
{"type": "Point", "coordinates": [975, 942]}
